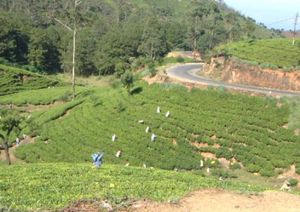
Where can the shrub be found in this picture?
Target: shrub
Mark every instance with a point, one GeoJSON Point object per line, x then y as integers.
{"type": "Point", "coordinates": [120, 69]}
{"type": "Point", "coordinates": [152, 69]}
{"type": "Point", "coordinates": [288, 68]}
{"type": "Point", "coordinates": [127, 80]}
{"type": "Point", "coordinates": [267, 172]}
{"type": "Point", "coordinates": [235, 166]}
{"type": "Point", "coordinates": [120, 107]}
{"type": "Point", "coordinates": [96, 101]}
{"type": "Point", "coordinates": [180, 59]}
{"type": "Point", "coordinates": [65, 97]}
{"type": "Point", "coordinates": [253, 168]}
{"type": "Point", "coordinates": [223, 153]}
{"type": "Point", "coordinates": [223, 174]}
{"type": "Point", "coordinates": [293, 182]}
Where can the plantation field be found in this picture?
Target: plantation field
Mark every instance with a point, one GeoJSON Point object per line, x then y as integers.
{"type": "Point", "coordinates": [270, 53]}
{"type": "Point", "coordinates": [13, 80]}
{"type": "Point", "coordinates": [54, 186]}
{"type": "Point", "coordinates": [244, 129]}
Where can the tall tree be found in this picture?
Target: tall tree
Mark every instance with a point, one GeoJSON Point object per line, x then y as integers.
{"type": "Point", "coordinates": [154, 42]}
{"type": "Point", "coordinates": [13, 42]}
{"type": "Point", "coordinates": [43, 52]}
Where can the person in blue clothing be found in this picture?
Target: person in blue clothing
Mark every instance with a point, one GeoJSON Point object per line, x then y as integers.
{"type": "Point", "coordinates": [98, 159]}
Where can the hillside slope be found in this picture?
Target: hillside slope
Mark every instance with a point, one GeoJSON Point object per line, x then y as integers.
{"type": "Point", "coordinates": [13, 80]}
{"type": "Point", "coordinates": [114, 33]}
{"type": "Point", "coordinates": [54, 186]}
{"type": "Point", "coordinates": [270, 53]}
{"type": "Point", "coordinates": [203, 124]}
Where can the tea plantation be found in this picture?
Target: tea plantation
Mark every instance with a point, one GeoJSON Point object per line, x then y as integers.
{"type": "Point", "coordinates": [239, 128]}
{"type": "Point", "coordinates": [54, 186]}
{"type": "Point", "coordinates": [269, 53]}
{"type": "Point", "coordinates": [13, 80]}
{"type": "Point", "coordinates": [246, 130]}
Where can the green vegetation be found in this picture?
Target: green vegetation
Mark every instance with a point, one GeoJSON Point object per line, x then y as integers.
{"type": "Point", "coordinates": [293, 182]}
{"type": "Point", "coordinates": [248, 129]}
{"type": "Point", "coordinates": [9, 123]}
{"type": "Point", "coordinates": [30, 36]}
{"type": "Point", "coordinates": [54, 186]}
{"type": "Point", "coordinates": [13, 80]}
{"type": "Point", "coordinates": [270, 53]}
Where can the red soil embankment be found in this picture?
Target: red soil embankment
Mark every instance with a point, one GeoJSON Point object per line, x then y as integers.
{"type": "Point", "coordinates": [233, 71]}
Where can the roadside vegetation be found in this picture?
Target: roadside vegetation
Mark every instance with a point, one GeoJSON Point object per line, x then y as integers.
{"type": "Point", "coordinates": [270, 53]}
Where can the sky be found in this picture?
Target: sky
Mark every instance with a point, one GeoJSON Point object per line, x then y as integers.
{"type": "Point", "coordinates": [269, 12]}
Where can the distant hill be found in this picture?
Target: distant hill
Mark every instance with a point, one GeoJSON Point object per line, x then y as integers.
{"type": "Point", "coordinates": [113, 33]}
{"type": "Point", "coordinates": [271, 53]}
{"type": "Point", "coordinates": [13, 80]}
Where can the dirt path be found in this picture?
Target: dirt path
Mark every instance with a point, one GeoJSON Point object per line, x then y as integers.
{"type": "Point", "coordinates": [12, 155]}
{"type": "Point", "coordinates": [219, 201]}
{"type": "Point", "coordinates": [13, 158]}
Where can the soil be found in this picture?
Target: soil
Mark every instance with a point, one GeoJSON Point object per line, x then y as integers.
{"type": "Point", "coordinates": [208, 155]}
{"type": "Point", "coordinates": [13, 158]}
{"type": "Point", "coordinates": [232, 71]}
{"type": "Point", "coordinates": [83, 206]}
{"type": "Point", "coordinates": [219, 200]}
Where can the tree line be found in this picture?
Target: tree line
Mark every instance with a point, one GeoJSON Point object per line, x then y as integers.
{"type": "Point", "coordinates": [114, 35]}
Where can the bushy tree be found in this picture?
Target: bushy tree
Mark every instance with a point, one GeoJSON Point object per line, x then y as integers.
{"type": "Point", "coordinates": [127, 80]}
{"type": "Point", "coordinates": [43, 52]}
{"type": "Point", "coordinates": [154, 42]}
{"type": "Point", "coordinates": [10, 122]}
{"type": "Point", "coordinates": [13, 41]}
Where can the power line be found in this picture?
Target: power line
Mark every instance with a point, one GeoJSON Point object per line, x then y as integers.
{"type": "Point", "coordinates": [284, 20]}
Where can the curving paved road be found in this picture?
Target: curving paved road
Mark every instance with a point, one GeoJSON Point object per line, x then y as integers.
{"type": "Point", "coordinates": [188, 73]}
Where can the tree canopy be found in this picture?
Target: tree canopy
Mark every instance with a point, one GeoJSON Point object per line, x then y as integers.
{"type": "Point", "coordinates": [112, 32]}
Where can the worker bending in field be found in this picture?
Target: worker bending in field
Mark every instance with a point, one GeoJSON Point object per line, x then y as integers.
{"type": "Point", "coordinates": [98, 159]}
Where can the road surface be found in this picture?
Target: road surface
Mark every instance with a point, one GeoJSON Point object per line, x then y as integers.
{"type": "Point", "coordinates": [188, 73]}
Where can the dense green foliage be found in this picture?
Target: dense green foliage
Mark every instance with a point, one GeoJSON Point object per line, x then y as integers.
{"type": "Point", "coordinates": [13, 80]}
{"type": "Point", "coordinates": [54, 186]}
{"type": "Point", "coordinates": [270, 53]}
{"type": "Point", "coordinates": [112, 32]}
{"type": "Point", "coordinates": [248, 129]}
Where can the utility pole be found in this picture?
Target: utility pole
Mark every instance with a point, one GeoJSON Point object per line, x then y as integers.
{"type": "Point", "coordinates": [295, 28]}
{"type": "Point", "coordinates": [74, 30]}
{"type": "Point", "coordinates": [76, 3]}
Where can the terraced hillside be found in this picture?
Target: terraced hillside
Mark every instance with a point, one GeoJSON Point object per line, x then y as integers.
{"type": "Point", "coordinates": [203, 123]}
{"type": "Point", "coordinates": [269, 53]}
{"type": "Point", "coordinates": [13, 80]}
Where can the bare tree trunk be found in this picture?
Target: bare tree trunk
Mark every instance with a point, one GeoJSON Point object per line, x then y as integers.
{"type": "Point", "coordinates": [196, 33]}
{"type": "Point", "coordinates": [73, 63]}
{"type": "Point", "coordinates": [6, 150]}
{"type": "Point", "coordinates": [74, 53]}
